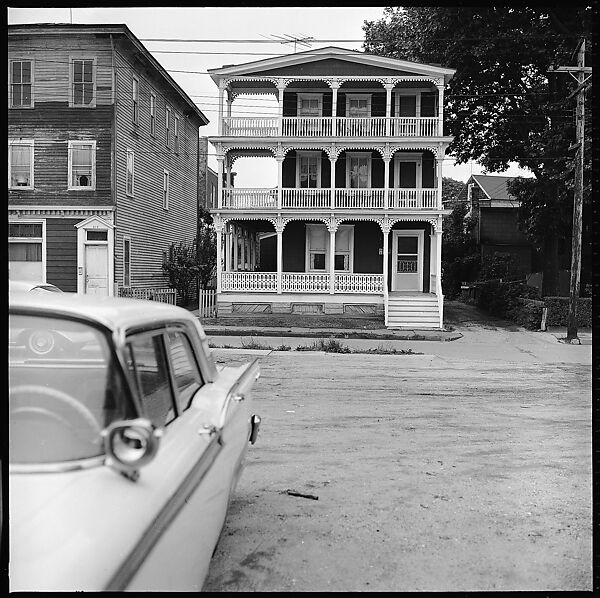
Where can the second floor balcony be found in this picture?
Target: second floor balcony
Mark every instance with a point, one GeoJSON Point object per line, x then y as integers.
{"type": "Point", "coordinates": [303, 126]}
{"type": "Point", "coordinates": [327, 198]}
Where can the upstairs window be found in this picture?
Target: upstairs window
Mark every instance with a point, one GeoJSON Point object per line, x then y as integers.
{"type": "Point", "coordinates": [308, 170]}
{"type": "Point", "coordinates": [310, 104]}
{"type": "Point", "coordinates": [358, 171]}
{"type": "Point", "coordinates": [152, 115]}
{"type": "Point", "coordinates": [130, 164]}
{"type": "Point", "coordinates": [176, 135]}
{"type": "Point", "coordinates": [166, 185]}
{"type": "Point", "coordinates": [358, 106]}
{"type": "Point", "coordinates": [168, 127]}
{"type": "Point", "coordinates": [135, 100]}
{"type": "Point", "coordinates": [83, 90]}
{"type": "Point", "coordinates": [20, 164]}
{"type": "Point", "coordinates": [82, 165]}
{"type": "Point", "coordinates": [21, 84]}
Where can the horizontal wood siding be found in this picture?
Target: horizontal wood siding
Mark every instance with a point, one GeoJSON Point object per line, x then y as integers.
{"type": "Point", "coordinates": [142, 217]}
{"type": "Point", "coordinates": [61, 253]}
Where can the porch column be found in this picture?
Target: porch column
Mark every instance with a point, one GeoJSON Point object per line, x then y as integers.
{"type": "Point", "coordinates": [385, 261]}
{"type": "Point", "coordinates": [332, 162]}
{"type": "Point", "coordinates": [388, 107]}
{"type": "Point", "coordinates": [332, 230]}
{"type": "Point", "coordinates": [438, 171]}
{"type": "Point", "coordinates": [441, 109]}
{"type": "Point", "coordinates": [219, 231]}
{"type": "Point", "coordinates": [220, 160]}
{"type": "Point", "coordinates": [438, 258]}
{"type": "Point", "coordinates": [221, 99]}
{"type": "Point", "coordinates": [228, 179]}
{"type": "Point", "coordinates": [229, 102]}
{"type": "Point", "coordinates": [228, 247]}
{"type": "Point", "coordinates": [386, 182]}
{"type": "Point", "coordinates": [280, 160]}
{"type": "Point", "coordinates": [334, 88]}
{"type": "Point", "coordinates": [280, 88]}
{"type": "Point", "coordinates": [279, 229]}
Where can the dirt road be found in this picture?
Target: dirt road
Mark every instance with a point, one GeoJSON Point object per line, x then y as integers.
{"type": "Point", "coordinates": [432, 474]}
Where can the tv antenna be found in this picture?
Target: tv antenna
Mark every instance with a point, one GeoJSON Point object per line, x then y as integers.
{"type": "Point", "coordinates": [302, 40]}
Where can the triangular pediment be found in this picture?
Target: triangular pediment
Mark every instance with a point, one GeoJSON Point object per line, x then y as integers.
{"type": "Point", "coordinates": [330, 61]}
{"type": "Point", "coordinates": [94, 222]}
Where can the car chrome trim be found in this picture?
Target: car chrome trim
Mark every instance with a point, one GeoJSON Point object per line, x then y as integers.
{"type": "Point", "coordinates": [135, 559]}
{"type": "Point", "coordinates": [57, 467]}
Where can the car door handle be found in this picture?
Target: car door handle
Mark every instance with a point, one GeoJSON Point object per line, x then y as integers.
{"type": "Point", "coordinates": [208, 429]}
{"type": "Point", "coordinates": [238, 398]}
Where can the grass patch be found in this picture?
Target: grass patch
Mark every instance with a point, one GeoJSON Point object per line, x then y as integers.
{"type": "Point", "coordinates": [329, 346]}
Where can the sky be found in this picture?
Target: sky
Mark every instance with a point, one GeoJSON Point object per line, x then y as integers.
{"type": "Point", "coordinates": [226, 28]}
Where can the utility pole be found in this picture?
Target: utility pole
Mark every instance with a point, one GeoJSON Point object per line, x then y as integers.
{"type": "Point", "coordinates": [581, 70]}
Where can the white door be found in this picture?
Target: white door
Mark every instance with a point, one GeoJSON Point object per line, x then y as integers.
{"type": "Point", "coordinates": [96, 270]}
{"type": "Point", "coordinates": [407, 263]}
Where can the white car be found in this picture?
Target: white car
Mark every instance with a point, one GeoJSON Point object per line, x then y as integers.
{"type": "Point", "coordinates": [123, 454]}
{"type": "Point", "coordinates": [31, 286]}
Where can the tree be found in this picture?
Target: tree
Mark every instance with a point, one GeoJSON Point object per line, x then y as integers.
{"type": "Point", "coordinates": [451, 189]}
{"type": "Point", "coordinates": [502, 105]}
{"type": "Point", "coordinates": [182, 269]}
{"type": "Point", "coordinates": [206, 248]}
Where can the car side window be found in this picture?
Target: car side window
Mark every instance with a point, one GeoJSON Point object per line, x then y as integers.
{"type": "Point", "coordinates": [149, 366]}
{"type": "Point", "coordinates": [186, 374]}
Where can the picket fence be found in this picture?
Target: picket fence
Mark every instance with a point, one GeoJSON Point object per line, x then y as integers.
{"type": "Point", "coordinates": [207, 303]}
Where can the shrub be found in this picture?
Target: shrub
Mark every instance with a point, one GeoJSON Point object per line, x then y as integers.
{"type": "Point", "coordinates": [526, 312]}
{"type": "Point", "coordinates": [558, 311]}
{"type": "Point", "coordinates": [329, 346]}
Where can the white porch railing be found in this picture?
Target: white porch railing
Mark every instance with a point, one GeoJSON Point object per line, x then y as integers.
{"type": "Point", "coordinates": [359, 198]}
{"type": "Point", "coordinates": [307, 126]}
{"type": "Point", "coordinates": [360, 127]}
{"type": "Point", "coordinates": [410, 126]}
{"type": "Point", "coordinates": [358, 283]}
{"type": "Point", "coordinates": [413, 198]}
{"type": "Point", "coordinates": [320, 198]}
{"type": "Point", "coordinates": [250, 127]}
{"type": "Point", "coordinates": [301, 282]}
{"type": "Point", "coordinates": [326, 126]}
{"type": "Point", "coordinates": [249, 198]}
{"type": "Point", "coordinates": [249, 281]}
{"type": "Point", "coordinates": [306, 198]}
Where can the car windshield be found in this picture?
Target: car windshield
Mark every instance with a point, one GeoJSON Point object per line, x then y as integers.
{"type": "Point", "coordinates": [64, 389]}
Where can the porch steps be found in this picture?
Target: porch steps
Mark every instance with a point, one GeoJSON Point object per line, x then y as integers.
{"type": "Point", "coordinates": [413, 311]}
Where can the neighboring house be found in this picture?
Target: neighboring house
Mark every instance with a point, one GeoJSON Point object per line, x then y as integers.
{"type": "Point", "coordinates": [497, 230]}
{"type": "Point", "coordinates": [354, 224]}
{"type": "Point", "coordinates": [103, 159]}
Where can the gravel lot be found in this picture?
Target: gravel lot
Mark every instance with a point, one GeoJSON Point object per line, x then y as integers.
{"type": "Point", "coordinates": [433, 472]}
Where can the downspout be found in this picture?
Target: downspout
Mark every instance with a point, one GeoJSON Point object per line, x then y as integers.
{"type": "Point", "coordinates": [113, 173]}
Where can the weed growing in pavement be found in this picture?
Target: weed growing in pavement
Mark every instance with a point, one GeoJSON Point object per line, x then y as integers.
{"type": "Point", "coordinates": [254, 345]}
{"type": "Point", "coordinates": [283, 348]}
{"type": "Point", "coordinates": [329, 346]}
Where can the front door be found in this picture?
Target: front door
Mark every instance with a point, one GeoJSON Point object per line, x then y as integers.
{"type": "Point", "coordinates": [96, 270]}
{"type": "Point", "coordinates": [407, 261]}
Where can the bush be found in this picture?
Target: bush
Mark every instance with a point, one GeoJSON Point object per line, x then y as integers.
{"type": "Point", "coordinates": [558, 311]}
{"type": "Point", "coordinates": [526, 313]}
{"type": "Point", "coordinates": [504, 299]}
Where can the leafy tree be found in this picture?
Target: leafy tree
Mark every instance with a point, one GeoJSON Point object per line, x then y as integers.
{"type": "Point", "coordinates": [451, 189]}
{"type": "Point", "coordinates": [206, 256]}
{"type": "Point", "coordinates": [502, 105]}
{"type": "Point", "coordinates": [182, 269]}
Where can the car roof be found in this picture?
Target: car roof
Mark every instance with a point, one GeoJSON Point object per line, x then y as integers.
{"type": "Point", "coordinates": [114, 313]}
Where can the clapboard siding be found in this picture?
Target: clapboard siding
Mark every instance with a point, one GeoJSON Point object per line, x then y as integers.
{"type": "Point", "coordinates": [142, 217]}
{"type": "Point", "coordinates": [61, 253]}
{"type": "Point", "coordinates": [52, 125]}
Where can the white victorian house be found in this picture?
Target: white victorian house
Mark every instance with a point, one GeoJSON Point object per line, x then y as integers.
{"type": "Point", "coordinates": [354, 224]}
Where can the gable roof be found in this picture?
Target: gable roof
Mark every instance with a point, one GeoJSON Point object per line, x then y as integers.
{"type": "Point", "coordinates": [123, 30]}
{"type": "Point", "coordinates": [494, 186]}
{"type": "Point", "coordinates": [329, 52]}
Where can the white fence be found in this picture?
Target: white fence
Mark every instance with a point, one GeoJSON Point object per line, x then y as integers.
{"type": "Point", "coordinates": [162, 295]}
{"type": "Point", "coordinates": [207, 303]}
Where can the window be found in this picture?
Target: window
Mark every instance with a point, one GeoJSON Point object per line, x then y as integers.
{"type": "Point", "coordinates": [83, 91]}
{"type": "Point", "coordinates": [152, 115]}
{"type": "Point", "coordinates": [130, 163]}
{"type": "Point", "coordinates": [358, 170]}
{"type": "Point", "coordinates": [358, 105]}
{"type": "Point", "coordinates": [126, 261]}
{"type": "Point", "coordinates": [344, 243]}
{"type": "Point", "coordinates": [21, 84]}
{"type": "Point", "coordinates": [186, 375]}
{"type": "Point", "coordinates": [26, 251]}
{"type": "Point", "coordinates": [317, 242]}
{"type": "Point", "coordinates": [166, 184]}
{"type": "Point", "coordinates": [176, 135]}
{"type": "Point", "coordinates": [168, 126]}
{"type": "Point", "coordinates": [407, 170]}
{"type": "Point", "coordinates": [20, 164]}
{"type": "Point", "coordinates": [82, 165]}
{"type": "Point", "coordinates": [135, 99]}
{"type": "Point", "coordinates": [308, 170]}
{"type": "Point", "coordinates": [147, 362]}
{"type": "Point", "coordinates": [310, 104]}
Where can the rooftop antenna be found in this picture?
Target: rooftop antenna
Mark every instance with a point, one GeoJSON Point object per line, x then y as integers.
{"type": "Point", "coordinates": [302, 40]}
